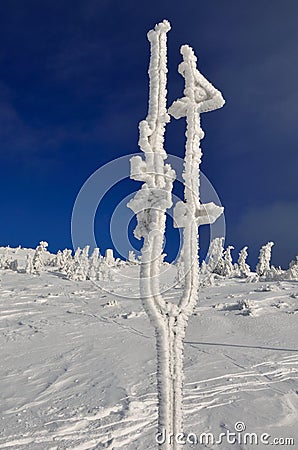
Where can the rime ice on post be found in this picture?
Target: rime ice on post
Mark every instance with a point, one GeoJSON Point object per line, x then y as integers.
{"type": "Point", "coordinates": [150, 205]}
{"type": "Point", "coordinates": [151, 202]}
{"type": "Point", "coordinates": [199, 96]}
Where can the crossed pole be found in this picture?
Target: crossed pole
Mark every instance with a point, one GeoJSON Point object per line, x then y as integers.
{"type": "Point", "coordinates": [150, 205]}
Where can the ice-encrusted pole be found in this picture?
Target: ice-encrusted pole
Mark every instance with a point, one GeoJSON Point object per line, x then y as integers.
{"type": "Point", "coordinates": [199, 96]}
{"type": "Point", "coordinates": [150, 205]}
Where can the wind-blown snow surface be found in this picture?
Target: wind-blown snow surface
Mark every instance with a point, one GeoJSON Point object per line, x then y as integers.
{"type": "Point", "coordinates": [78, 363]}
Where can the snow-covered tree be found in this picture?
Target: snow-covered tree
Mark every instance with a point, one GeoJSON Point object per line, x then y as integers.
{"type": "Point", "coordinates": [29, 264]}
{"type": "Point", "coordinates": [4, 263]}
{"type": "Point", "coordinates": [93, 264]}
{"type": "Point", "coordinates": [150, 205]}
{"type": "Point", "coordinates": [76, 271]}
{"type": "Point", "coordinates": [94, 258]}
{"type": "Point", "coordinates": [38, 261]}
{"type": "Point", "coordinates": [263, 265]}
{"type": "Point", "coordinates": [228, 267]}
{"type": "Point", "coordinates": [292, 272]}
{"type": "Point", "coordinates": [105, 272]}
{"type": "Point", "coordinates": [294, 262]}
{"type": "Point", "coordinates": [78, 253]}
{"type": "Point", "coordinates": [76, 268]}
{"type": "Point", "coordinates": [275, 274]}
{"type": "Point", "coordinates": [109, 257]}
{"type": "Point", "coordinates": [4, 260]}
{"type": "Point", "coordinates": [66, 260]}
{"type": "Point", "coordinates": [243, 267]}
{"type": "Point", "coordinates": [13, 265]}
{"type": "Point", "coordinates": [132, 257]}
{"type": "Point", "coordinates": [215, 262]}
{"type": "Point", "coordinates": [92, 272]}
{"type": "Point", "coordinates": [57, 260]}
{"type": "Point", "coordinates": [84, 260]}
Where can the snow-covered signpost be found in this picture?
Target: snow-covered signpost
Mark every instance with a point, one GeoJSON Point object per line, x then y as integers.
{"type": "Point", "coordinates": [150, 205]}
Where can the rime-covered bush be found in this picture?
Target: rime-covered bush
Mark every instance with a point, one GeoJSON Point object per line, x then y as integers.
{"type": "Point", "coordinates": [13, 265]}
{"type": "Point", "coordinates": [206, 278]}
{"type": "Point", "coordinates": [292, 272]}
{"type": "Point", "coordinates": [39, 258]}
{"type": "Point", "coordinates": [242, 266]}
{"type": "Point", "coordinates": [275, 274]}
{"type": "Point", "coordinates": [4, 262]}
{"type": "Point", "coordinates": [132, 258]}
{"type": "Point", "coordinates": [65, 260]}
{"type": "Point", "coordinates": [263, 265]}
{"type": "Point", "coordinates": [228, 269]}
{"type": "Point", "coordinates": [109, 257]}
{"type": "Point", "coordinates": [252, 278]}
{"type": "Point", "coordinates": [56, 260]}
{"type": "Point", "coordinates": [8, 263]}
{"type": "Point", "coordinates": [94, 262]}
{"type": "Point", "coordinates": [29, 264]}
{"type": "Point", "coordinates": [94, 258]}
{"type": "Point", "coordinates": [82, 267]}
{"type": "Point", "coordinates": [76, 271]}
{"type": "Point", "coordinates": [215, 256]}
{"type": "Point", "coordinates": [74, 267]}
{"type": "Point", "coordinates": [105, 271]}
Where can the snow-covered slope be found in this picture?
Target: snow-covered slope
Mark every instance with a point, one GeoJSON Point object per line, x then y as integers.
{"type": "Point", "coordinates": [77, 368]}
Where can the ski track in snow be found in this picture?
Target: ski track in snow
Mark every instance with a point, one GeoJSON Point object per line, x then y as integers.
{"type": "Point", "coordinates": [118, 426]}
{"type": "Point", "coordinates": [69, 380]}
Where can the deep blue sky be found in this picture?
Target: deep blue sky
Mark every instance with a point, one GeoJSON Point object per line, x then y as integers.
{"type": "Point", "coordinates": [73, 87]}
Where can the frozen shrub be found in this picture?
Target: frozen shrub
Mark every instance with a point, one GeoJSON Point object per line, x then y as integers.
{"type": "Point", "coordinates": [109, 257]}
{"type": "Point", "coordinates": [228, 267]}
{"type": "Point", "coordinates": [76, 272]}
{"type": "Point", "coordinates": [83, 260]}
{"type": "Point", "coordinates": [263, 265]}
{"type": "Point", "coordinates": [94, 258]}
{"type": "Point", "coordinates": [13, 265]}
{"type": "Point", "coordinates": [252, 278]}
{"type": "Point", "coordinates": [94, 262]}
{"type": "Point", "coordinates": [105, 272]}
{"type": "Point", "coordinates": [78, 253]}
{"type": "Point", "coordinates": [92, 272]}
{"type": "Point", "coordinates": [39, 257]}
{"type": "Point", "coordinates": [4, 260]}
{"type": "Point", "coordinates": [215, 259]}
{"type": "Point", "coordinates": [246, 307]}
{"type": "Point", "coordinates": [292, 272]}
{"type": "Point", "coordinates": [56, 260]}
{"type": "Point", "coordinates": [132, 257]}
{"type": "Point", "coordinates": [274, 274]}
{"type": "Point", "coordinates": [74, 267]}
{"type": "Point", "coordinates": [66, 260]}
{"type": "Point", "coordinates": [29, 264]}
{"type": "Point", "coordinates": [243, 267]}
